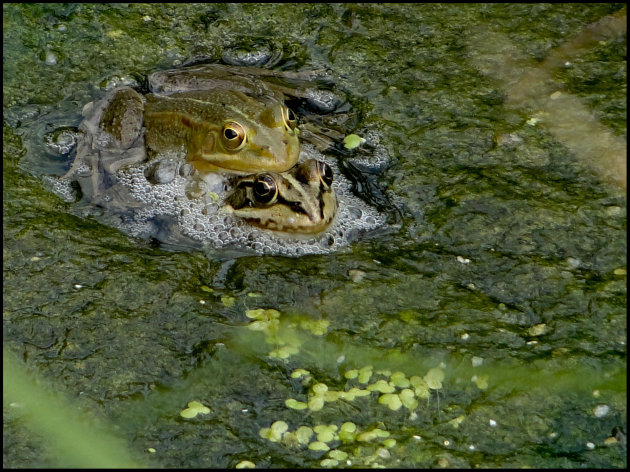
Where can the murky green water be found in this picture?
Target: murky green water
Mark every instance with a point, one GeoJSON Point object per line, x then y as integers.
{"type": "Point", "coordinates": [504, 265]}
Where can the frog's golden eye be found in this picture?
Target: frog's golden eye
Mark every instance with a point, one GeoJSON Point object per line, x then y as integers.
{"type": "Point", "coordinates": [289, 118]}
{"type": "Point", "coordinates": [265, 189]}
{"type": "Point", "coordinates": [325, 173]}
{"type": "Point", "coordinates": [233, 136]}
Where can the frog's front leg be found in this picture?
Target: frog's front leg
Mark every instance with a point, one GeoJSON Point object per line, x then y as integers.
{"type": "Point", "coordinates": [111, 137]}
{"type": "Point", "coordinates": [122, 117]}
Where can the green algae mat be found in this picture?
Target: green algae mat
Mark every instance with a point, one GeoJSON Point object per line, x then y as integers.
{"type": "Point", "coordinates": [483, 324]}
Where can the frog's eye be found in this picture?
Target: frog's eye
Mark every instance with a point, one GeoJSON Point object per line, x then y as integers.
{"type": "Point", "coordinates": [265, 189]}
{"type": "Point", "coordinates": [289, 118]}
{"type": "Point", "coordinates": [314, 172]}
{"type": "Point", "coordinates": [325, 173]}
{"type": "Point", "coordinates": [233, 136]}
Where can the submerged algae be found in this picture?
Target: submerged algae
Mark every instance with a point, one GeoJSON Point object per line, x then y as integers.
{"type": "Point", "coordinates": [472, 180]}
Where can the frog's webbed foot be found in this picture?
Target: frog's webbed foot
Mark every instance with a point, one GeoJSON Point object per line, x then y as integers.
{"type": "Point", "coordinates": [112, 137]}
{"type": "Point", "coordinates": [114, 160]}
{"type": "Point", "coordinates": [321, 137]}
{"type": "Point", "coordinates": [82, 150]}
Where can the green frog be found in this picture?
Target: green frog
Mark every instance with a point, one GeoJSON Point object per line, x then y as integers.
{"type": "Point", "coordinates": [207, 146]}
{"type": "Point", "coordinates": [301, 200]}
{"type": "Point", "coordinates": [216, 129]}
{"type": "Point", "coordinates": [220, 118]}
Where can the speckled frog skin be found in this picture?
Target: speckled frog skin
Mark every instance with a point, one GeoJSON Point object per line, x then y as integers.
{"type": "Point", "coordinates": [298, 201]}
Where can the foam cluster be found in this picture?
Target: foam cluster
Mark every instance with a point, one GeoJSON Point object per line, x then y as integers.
{"type": "Point", "coordinates": [187, 209]}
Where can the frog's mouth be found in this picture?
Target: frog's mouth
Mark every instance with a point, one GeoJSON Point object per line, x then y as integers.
{"type": "Point", "coordinates": [291, 202]}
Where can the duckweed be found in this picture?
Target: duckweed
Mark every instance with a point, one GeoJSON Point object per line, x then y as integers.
{"type": "Point", "coordinates": [318, 446]}
{"type": "Point", "coordinates": [358, 392]}
{"type": "Point", "coordinates": [274, 433]}
{"type": "Point", "coordinates": [434, 378]}
{"type": "Point", "coordinates": [304, 434]}
{"type": "Point", "coordinates": [407, 398]}
{"type": "Point", "coordinates": [320, 388]}
{"type": "Point", "coordinates": [317, 327]}
{"type": "Point", "coordinates": [398, 379]}
{"type": "Point", "coordinates": [349, 427]}
{"type": "Point", "coordinates": [287, 344]}
{"type": "Point", "coordinates": [416, 381]}
{"type": "Point", "coordinates": [365, 374]}
{"type": "Point", "coordinates": [354, 392]}
{"type": "Point", "coordinates": [338, 455]}
{"type": "Point", "coordinates": [326, 436]}
{"type": "Point", "coordinates": [351, 374]}
{"type": "Point", "coordinates": [348, 396]}
{"type": "Point", "coordinates": [263, 314]}
{"type": "Point", "coordinates": [332, 395]}
{"type": "Point", "coordinates": [347, 432]}
{"type": "Point", "coordinates": [228, 301]}
{"type": "Point", "coordinates": [294, 404]}
{"type": "Point", "coordinates": [284, 352]}
{"type": "Point", "coordinates": [297, 373]}
{"type": "Point", "coordinates": [315, 403]}
{"type": "Point", "coordinates": [245, 465]}
{"type": "Point", "coordinates": [372, 435]}
{"type": "Point", "coordinates": [290, 439]}
{"type": "Point", "coordinates": [422, 391]}
{"type": "Point", "coordinates": [381, 386]}
{"type": "Point", "coordinates": [325, 433]}
{"type": "Point", "coordinates": [391, 400]}
{"type": "Point", "coordinates": [279, 427]}
{"type": "Point", "coordinates": [399, 391]}
{"type": "Point", "coordinates": [481, 381]}
{"type": "Point", "coordinates": [352, 141]}
{"type": "Point", "coordinates": [259, 325]}
{"type": "Point", "coordinates": [389, 443]}
{"type": "Point", "coordinates": [194, 408]}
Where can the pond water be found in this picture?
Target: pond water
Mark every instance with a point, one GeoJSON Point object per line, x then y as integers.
{"type": "Point", "coordinates": [484, 325]}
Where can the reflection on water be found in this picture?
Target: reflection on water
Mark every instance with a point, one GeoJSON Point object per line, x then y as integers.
{"type": "Point", "coordinates": [562, 113]}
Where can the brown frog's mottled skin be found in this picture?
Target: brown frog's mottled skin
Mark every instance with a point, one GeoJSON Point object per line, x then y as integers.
{"type": "Point", "coordinates": [298, 201]}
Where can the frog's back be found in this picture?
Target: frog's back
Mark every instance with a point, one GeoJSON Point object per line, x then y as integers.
{"type": "Point", "coordinates": [209, 106]}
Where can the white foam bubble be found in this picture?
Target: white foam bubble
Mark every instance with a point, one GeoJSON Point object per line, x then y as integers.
{"type": "Point", "coordinates": [194, 206]}
{"type": "Point", "coordinates": [60, 187]}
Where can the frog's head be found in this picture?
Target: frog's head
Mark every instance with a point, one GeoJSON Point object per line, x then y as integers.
{"type": "Point", "coordinates": [298, 201]}
{"type": "Point", "coordinates": [255, 136]}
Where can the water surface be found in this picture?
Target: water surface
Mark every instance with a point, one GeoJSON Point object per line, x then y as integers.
{"type": "Point", "coordinates": [503, 266]}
